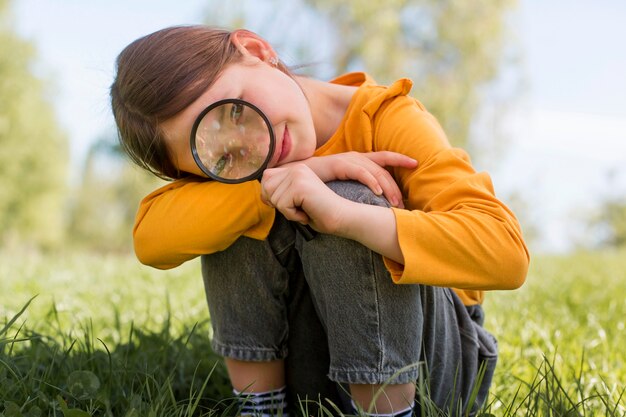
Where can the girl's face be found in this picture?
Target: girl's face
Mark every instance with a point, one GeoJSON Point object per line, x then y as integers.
{"type": "Point", "coordinates": [272, 91]}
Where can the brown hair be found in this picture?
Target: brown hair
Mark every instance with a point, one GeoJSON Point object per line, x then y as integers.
{"type": "Point", "coordinates": [158, 76]}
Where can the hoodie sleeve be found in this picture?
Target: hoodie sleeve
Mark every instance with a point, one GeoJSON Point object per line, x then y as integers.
{"type": "Point", "coordinates": [188, 218]}
{"type": "Point", "coordinates": [454, 232]}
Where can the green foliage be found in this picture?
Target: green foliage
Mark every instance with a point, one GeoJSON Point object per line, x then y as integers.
{"type": "Point", "coordinates": [124, 340]}
{"type": "Point", "coordinates": [449, 48]}
{"type": "Point", "coordinates": [33, 150]}
{"type": "Point", "coordinates": [610, 222]}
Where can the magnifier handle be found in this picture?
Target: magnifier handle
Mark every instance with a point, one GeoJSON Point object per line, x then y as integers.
{"type": "Point", "coordinates": [306, 231]}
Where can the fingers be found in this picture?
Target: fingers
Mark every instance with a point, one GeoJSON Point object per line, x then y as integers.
{"type": "Point", "coordinates": [378, 179]}
{"type": "Point", "coordinates": [390, 189]}
{"type": "Point", "coordinates": [277, 191]}
{"type": "Point", "coordinates": [271, 190]}
{"type": "Point", "coordinates": [367, 168]}
{"type": "Point", "coordinates": [365, 175]}
{"type": "Point", "coordinates": [392, 159]}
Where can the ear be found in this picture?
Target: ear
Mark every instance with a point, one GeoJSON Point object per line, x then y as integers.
{"type": "Point", "coordinates": [251, 44]}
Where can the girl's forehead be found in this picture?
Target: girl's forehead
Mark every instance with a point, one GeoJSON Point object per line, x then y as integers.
{"type": "Point", "coordinates": [229, 79]}
{"type": "Point", "coordinates": [229, 84]}
{"type": "Point", "coordinates": [236, 77]}
{"type": "Point", "coordinates": [225, 86]}
{"type": "Point", "coordinates": [217, 91]}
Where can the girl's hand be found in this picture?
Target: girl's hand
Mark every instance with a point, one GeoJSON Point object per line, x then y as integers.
{"type": "Point", "coordinates": [367, 168]}
{"type": "Point", "coordinates": [300, 195]}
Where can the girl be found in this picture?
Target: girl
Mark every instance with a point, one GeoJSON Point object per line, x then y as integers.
{"type": "Point", "coordinates": [287, 311]}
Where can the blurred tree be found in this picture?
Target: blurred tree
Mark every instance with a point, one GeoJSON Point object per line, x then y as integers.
{"type": "Point", "coordinates": [102, 212]}
{"type": "Point", "coordinates": [614, 219]}
{"type": "Point", "coordinates": [33, 149]}
{"type": "Point", "coordinates": [607, 225]}
{"type": "Point", "coordinates": [451, 49]}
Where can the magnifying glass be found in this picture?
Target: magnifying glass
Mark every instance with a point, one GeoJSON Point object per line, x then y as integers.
{"type": "Point", "coordinates": [232, 141]}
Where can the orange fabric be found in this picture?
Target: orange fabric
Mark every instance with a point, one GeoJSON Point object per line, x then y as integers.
{"type": "Point", "coordinates": [454, 232]}
{"type": "Point", "coordinates": [192, 217]}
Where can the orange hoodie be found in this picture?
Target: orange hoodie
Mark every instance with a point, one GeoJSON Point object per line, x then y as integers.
{"type": "Point", "coordinates": [453, 231]}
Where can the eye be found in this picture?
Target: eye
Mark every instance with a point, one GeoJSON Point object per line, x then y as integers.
{"type": "Point", "coordinates": [236, 112]}
{"type": "Point", "coordinates": [221, 163]}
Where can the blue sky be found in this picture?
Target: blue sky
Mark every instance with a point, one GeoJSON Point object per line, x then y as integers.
{"type": "Point", "coordinates": [569, 133]}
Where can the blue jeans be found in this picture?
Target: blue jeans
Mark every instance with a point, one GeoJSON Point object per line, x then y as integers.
{"type": "Point", "coordinates": [330, 309]}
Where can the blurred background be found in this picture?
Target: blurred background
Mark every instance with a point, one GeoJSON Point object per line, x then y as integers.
{"type": "Point", "coordinates": [535, 90]}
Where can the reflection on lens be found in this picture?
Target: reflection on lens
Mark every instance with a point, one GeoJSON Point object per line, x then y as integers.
{"type": "Point", "coordinates": [233, 140]}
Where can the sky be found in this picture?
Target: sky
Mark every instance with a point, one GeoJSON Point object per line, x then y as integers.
{"type": "Point", "coordinates": [568, 137]}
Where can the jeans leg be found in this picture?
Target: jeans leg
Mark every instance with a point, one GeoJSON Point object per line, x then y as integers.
{"type": "Point", "coordinates": [374, 327]}
{"type": "Point", "coordinates": [307, 364]}
{"type": "Point", "coordinates": [246, 290]}
{"type": "Point", "coordinates": [261, 309]}
{"type": "Point", "coordinates": [381, 332]}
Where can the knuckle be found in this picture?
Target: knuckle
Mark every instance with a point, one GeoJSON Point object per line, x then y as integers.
{"type": "Point", "coordinates": [361, 170]}
{"type": "Point", "coordinates": [380, 173]}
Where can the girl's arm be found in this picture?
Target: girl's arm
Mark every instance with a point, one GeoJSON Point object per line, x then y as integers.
{"type": "Point", "coordinates": [192, 217]}
{"type": "Point", "coordinates": [298, 193]}
{"type": "Point", "coordinates": [454, 232]}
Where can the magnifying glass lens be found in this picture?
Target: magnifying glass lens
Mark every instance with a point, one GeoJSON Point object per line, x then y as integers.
{"type": "Point", "coordinates": [232, 141]}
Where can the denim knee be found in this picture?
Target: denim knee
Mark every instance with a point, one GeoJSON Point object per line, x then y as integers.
{"type": "Point", "coordinates": [246, 290]}
{"type": "Point", "coordinates": [373, 325]}
{"type": "Point", "coordinates": [379, 332]}
{"type": "Point", "coordinates": [357, 192]}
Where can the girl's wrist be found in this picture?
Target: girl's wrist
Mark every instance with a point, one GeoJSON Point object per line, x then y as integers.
{"type": "Point", "coordinates": [372, 226]}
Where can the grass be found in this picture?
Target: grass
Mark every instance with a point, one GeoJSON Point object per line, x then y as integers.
{"type": "Point", "coordinates": [561, 338]}
{"type": "Point", "coordinates": [105, 336]}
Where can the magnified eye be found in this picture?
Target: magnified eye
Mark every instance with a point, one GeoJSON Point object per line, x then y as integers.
{"type": "Point", "coordinates": [221, 163]}
{"type": "Point", "coordinates": [235, 112]}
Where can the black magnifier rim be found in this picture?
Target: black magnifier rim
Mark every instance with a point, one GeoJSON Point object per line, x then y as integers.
{"type": "Point", "coordinates": [194, 151]}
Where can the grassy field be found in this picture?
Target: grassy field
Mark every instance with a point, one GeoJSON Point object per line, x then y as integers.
{"type": "Point", "coordinates": [105, 336]}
